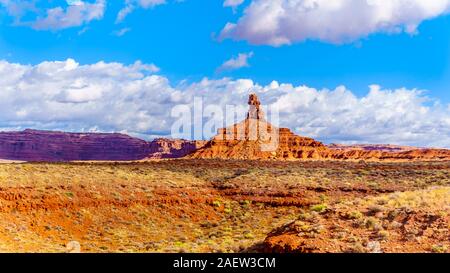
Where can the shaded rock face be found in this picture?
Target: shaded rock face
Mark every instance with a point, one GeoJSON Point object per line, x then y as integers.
{"type": "Point", "coordinates": [255, 138]}
{"type": "Point", "coordinates": [34, 145]}
{"type": "Point", "coordinates": [173, 148]}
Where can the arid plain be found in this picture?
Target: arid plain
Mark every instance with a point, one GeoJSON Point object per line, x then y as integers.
{"type": "Point", "coordinates": [208, 205]}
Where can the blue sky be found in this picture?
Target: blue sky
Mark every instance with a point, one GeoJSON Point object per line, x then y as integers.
{"type": "Point", "coordinates": [390, 45]}
{"type": "Point", "coordinates": [181, 38]}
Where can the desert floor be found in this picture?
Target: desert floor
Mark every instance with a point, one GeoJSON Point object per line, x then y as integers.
{"type": "Point", "coordinates": [225, 206]}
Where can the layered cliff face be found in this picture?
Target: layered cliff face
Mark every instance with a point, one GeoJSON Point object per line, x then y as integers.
{"type": "Point", "coordinates": [380, 155]}
{"type": "Point", "coordinates": [286, 146]}
{"type": "Point", "coordinates": [34, 145]}
{"type": "Point", "coordinates": [372, 147]}
{"type": "Point", "coordinates": [173, 148]}
{"type": "Point", "coordinates": [255, 138]}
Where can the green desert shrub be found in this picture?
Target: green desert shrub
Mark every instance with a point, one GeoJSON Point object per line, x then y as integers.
{"type": "Point", "coordinates": [319, 208]}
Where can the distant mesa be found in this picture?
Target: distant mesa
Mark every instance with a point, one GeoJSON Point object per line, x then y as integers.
{"type": "Point", "coordinates": [373, 147]}
{"type": "Point", "coordinates": [161, 148]}
{"type": "Point", "coordinates": [35, 145]}
{"type": "Point", "coordinates": [253, 138]}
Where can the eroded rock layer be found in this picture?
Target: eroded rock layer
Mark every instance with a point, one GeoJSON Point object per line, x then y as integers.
{"type": "Point", "coordinates": [173, 148]}
{"type": "Point", "coordinates": [255, 138]}
{"type": "Point", "coordinates": [34, 145]}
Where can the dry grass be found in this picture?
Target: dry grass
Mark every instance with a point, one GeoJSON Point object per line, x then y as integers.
{"type": "Point", "coordinates": [206, 205]}
{"type": "Point", "coordinates": [412, 221]}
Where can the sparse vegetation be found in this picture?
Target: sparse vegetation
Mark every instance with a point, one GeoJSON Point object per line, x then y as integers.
{"type": "Point", "coordinates": [224, 206]}
{"type": "Point", "coordinates": [319, 208]}
{"type": "Point", "coordinates": [439, 249]}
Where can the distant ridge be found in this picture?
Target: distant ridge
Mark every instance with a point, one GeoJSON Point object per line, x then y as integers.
{"type": "Point", "coordinates": [55, 146]}
{"type": "Point", "coordinates": [35, 145]}
{"type": "Point", "coordinates": [249, 138]}
{"type": "Point", "coordinates": [252, 139]}
{"type": "Point", "coordinates": [374, 147]}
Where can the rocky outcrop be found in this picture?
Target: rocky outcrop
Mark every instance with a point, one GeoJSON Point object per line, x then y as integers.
{"type": "Point", "coordinates": [173, 148]}
{"type": "Point", "coordinates": [411, 155]}
{"type": "Point", "coordinates": [374, 226]}
{"type": "Point", "coordinates": [34, 145]}
{"type": "Point", "coordinates": [372, 147]}
{"type": "Point", "coordinates": [255, 138]}
{"type": "Point", "coordinates": [385, 152]}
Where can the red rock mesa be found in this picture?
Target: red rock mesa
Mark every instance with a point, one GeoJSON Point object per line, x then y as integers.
{"type": "Point", "coordinates": [35, 145]}
{"type": "Point", "coordinates": [255, 138]}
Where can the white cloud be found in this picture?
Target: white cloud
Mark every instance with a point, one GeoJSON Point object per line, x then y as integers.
{"type": "Point", "coordinates": [232, 3]}
{"type": "Point", "coordinates": [150, 3]}
{"type": "Point", "coordinates": [398, 116]}
{"type": "Point", "coordinates": [18, 9]}
{"type": "Point", "coordinates": [235, 63]}
{"type": "Point", "coordinates": [121, 32]}
{"type": "Point", "coordinates": [76, 14]}
{"type": "Point", "coordinates": [130, 98]}
{"type": "Point", "coordinates": [130, 6]}
{"type": "Point", "coordinates": [83, 30]}
{"type": "Point", "coordinates": [69, 96]}
{"type": "Point", "coordinates": [74, 2]}
{"type": "Point", "coordinates": [124, 12]}
{"type": "Point", "coordinates": [139, 66]}
{"type": "Point", "coordinates": [281, 22]}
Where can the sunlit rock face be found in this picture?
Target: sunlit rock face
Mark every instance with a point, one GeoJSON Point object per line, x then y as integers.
{"type": "Point", "coordinates": [255, 138]}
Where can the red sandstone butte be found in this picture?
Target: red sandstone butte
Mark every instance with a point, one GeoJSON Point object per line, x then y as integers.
{"type": "Point", "coordinates": [255, 138]}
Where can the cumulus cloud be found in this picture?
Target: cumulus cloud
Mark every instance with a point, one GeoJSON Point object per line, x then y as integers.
{"type": "Point", "coordinates": [139, 66]}
{"type": "Point", "coordinates": [130, 6]}
{"type": "Point", "coordinates": [76, 14]}
{"type": "Point", "coordinates": [113, 97]}
{"type": "Point", "coordinates": [281, 22]}
{"type": "Point", "coordinates": [69, 96]}
{"type": "Point", "coordinates": [398, 116]}
{"type": "Point", "coordinates": [237, 62]}
{"type": "Point", "coordinates": [17, 9]}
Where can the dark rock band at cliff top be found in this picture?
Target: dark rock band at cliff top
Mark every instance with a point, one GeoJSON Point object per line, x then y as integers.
{"type": "Point", "coordinates": [234, 142]}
